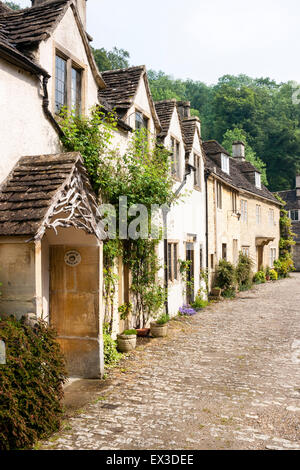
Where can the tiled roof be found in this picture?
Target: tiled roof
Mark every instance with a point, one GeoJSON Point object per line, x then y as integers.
{"type": "Point", "coordinates": [290, 197]}
{"type": "Point", "coordinates": [189, 127]}
{"type": "Point", "coordinates": [165, 110]}
{"type": "Point", "coordinates": [32, 186]}
{"type": "Point", "coordinates": [296, 231]}
{"type": "Point", "coordinates": [122, 86]}
{"type": "Point", "coordinates": [30, 26]}
{"type": "Point", "coordinates": [236, 177]}
{"type": "Point", "coordinates": [4, 8]}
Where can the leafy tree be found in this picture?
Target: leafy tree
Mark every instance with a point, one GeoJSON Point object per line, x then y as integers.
{"type": "Point", "coordinates": [13, 5]}
{"type": "Point", "coordinates": [111, 60]}
{"type": "Point", "coordinates": [238, 134]}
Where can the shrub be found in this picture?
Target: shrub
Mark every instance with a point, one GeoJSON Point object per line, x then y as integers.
{"type": "Point", "coordinates": [163, 319]}
{"type": "Point", "coordinates": [229, 293]}
{"type": "Point", "coordinates": [199, 303]}
{"type": "Point", "coordinates": [273, 275]}
{"type": "Point", "coordinates": [111, 355]}
{"type": "Point", "coordinates": [225, 275]}
{"type": "Point", "coordinates": [283, 267]}
{"type": "Point", "coordinates": [31, 384]}
{"type": "Point", "coordinates": [130, 332]}
{"type": "Point", "coordinates": [259, 277]}
{"type": "Point", "coordinates": [244, 271]}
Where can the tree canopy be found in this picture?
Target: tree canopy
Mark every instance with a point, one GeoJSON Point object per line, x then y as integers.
{"type": "Point", "coordinates": [13, 5]}
{"type": "Point", "coordinates": [111, 60]}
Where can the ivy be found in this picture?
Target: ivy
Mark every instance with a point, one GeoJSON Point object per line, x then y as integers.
{"type": "Point", "coordinates": [285, 263]}
{"type": "Point", "coordinates": [141, 175]}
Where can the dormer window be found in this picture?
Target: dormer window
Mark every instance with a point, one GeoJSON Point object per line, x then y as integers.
{"type": "Point", "coordinates": [258, 180]}
{"type": "Point", "coordinates": [225, 163]}
{"type": "Point", "coordinates": [175, 163]}
{"type": "Point", "coordinates": [68, 84]}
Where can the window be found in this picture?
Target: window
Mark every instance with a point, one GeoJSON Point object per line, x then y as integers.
{"type": "Point", "coordinates": [172, 261]}
{"type": "Point", "coordinates": [271, 217]}
{"type": "Point", "coordinates": [246, 250]}
{"type": "Point", "coordinates": [175, 164]}
{"type": "Point", "coordinates": [197, 173]}
{"type": "Point", "coordinates": [225, 163]}
{"type": "Point", "coordinates": [234, 201]}
{"type": "Point", "coordinates": [244, 211]}
{"type": "Point", "coordinates": [219, 196]}
{"type": "Point", "coordinates": [76, 90]}
{"type": "Point", "coordinates": [224, 251]}
{"type": "Point", "coordinates": [294, 215]}
{"type": "Point", "coordinates": [272, 256]}
{"type": "Point", "coordinates": [258, 180]}
{"type": "Point", "coordinates": [68, 85]}
{"type": "Point", "coordinates": [141, 121]}
{"type": "Point", "coordinates": [258, 214]}
{"type": "Point", "coordinates": [212, 262]}
{"type": "Point", "coordinates": [60, 83]}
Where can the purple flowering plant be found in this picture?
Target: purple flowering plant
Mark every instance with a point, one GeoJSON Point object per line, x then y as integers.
{"type": "Point", "coordinates": [187, 310]}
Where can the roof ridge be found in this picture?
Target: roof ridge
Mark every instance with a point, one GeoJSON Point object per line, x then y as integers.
{"type": "Point", "coordinates": [125, 69]}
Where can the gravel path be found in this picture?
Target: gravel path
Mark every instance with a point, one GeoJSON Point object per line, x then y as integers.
{"type": "Point", "coordinates": [228, 378]}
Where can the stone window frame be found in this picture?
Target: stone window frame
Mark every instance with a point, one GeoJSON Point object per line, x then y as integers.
{"type": "Point", "coordinates": [175, 162]}
{"type": "Point", "coordinates": [219, 195]}
{"type": "Point", "coordinates": [294, 211]}
{"type": "Point", "coordinates": [72, 62]}
{"type": "Point", "coordinates": [225, 165]}
{"type": "Point", "coordinates": [258, 214]}
{"type": "Point", "coordinates": [197, 162]}
{"type": "Point", "coordinates": [273, 256]}
{"type": "Point", "coordinates": [245, 250]}
{"type": "Point", "coordinates": [244, 211]}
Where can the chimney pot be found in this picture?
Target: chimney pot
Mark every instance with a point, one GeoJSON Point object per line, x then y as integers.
{"type": "Point", "coordinates": [184, 109]}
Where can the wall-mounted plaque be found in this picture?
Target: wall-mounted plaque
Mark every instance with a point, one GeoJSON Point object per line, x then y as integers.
{"type": "Point", "coordinates": [72, 258]}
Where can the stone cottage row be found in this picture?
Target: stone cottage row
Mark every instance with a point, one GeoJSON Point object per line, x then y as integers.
{"type": "Point", "coordinates": [51, 249]}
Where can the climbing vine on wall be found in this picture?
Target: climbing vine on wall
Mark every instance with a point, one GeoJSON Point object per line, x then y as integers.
{"type": "Point", "coordinates": [285, 264]}
{"type": "Point", "coordinates": [141, 175]}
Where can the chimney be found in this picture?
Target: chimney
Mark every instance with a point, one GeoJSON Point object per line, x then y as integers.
{"type": "Point", "coordinates": [184, 109]}
{"type": "Point", "coordinates": [298, 186]}
{"type": "Point", "coordinates": [238, 150]}
{"type": "Point", "coordinates": [80, 4]}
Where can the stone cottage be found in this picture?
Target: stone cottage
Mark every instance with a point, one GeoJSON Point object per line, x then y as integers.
{"type": "Point", "coordinates": [181, 134]}
{"type": "Point", "coordinates": [50, 243]}
{"type": "Point", "coordinates": [292, 199]}
{"type": "Point", "coordinates": [243, 215]}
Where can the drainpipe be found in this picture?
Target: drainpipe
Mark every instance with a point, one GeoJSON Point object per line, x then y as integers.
{"type": "Point", "coordinates": [46, 109]}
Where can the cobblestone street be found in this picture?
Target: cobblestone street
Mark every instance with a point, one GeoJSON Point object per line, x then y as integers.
{"type": "Point", "coordinates": [228, 378]}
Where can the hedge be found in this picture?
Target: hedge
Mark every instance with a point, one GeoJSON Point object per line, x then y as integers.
{"type": "Point", "coordinates": [31, 384]}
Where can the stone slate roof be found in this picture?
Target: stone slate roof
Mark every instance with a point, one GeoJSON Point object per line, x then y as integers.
{"type": "Point", "coordinates": [121, 88]}
{"type": "Point", "coordinates": [290, 197]}
{"type": "Point", "coordinates": [238, 170]}
{"type": "Point", "coordinates": [189, 127]}
{"type": "Point", "coordinates": [165, 110]}
{"type": "Point", "coordinates": [31, 188]}
{"type": "Point", "coordinates": [296, 231]}
{"type": "Point", "coordinates": [30, 26]}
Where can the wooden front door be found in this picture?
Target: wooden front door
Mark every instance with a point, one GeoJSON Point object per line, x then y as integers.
{"type": "Point", "coordinates": [74, 306]}
{"type": "Point", "coordinates": [260, 257]}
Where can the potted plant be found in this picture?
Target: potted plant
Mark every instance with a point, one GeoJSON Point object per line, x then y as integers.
{"type": "Point", "coordinates": [216, 291]}
{"type": "Point", "coordinates": [159, 328]}
{"type": "Point", "coordinates": [127, 341]}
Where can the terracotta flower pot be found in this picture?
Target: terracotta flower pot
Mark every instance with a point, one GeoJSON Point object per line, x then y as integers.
{"type": "Point", "coordinates": [126, 343]}
{"type": "Point", "coordinates": [143, 332]}
{"type": "Point", "coordinates": [159, 331]}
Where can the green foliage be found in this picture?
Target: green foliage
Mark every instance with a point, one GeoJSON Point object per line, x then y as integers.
{"type": "Point", "coordinates": [285, 264]}
{"type": "Point", "coordinates": [130, 332]}
{"type": "Point", "coordinates": [125, 310]}
{"type": "Point", "coordinates": [260, 108]}
{"type": "Point", "coordinates": [163, 319]}
{"type": "Point", "coordinates": [225, 275]}
{"type": "Point", "coordinates": [142, 175]}
{"type": "Point", "coordinates": [259, 277]}
{"type": "Point", "coordinates": [111, 60]}
{"type": "Point", "coordinates": [31, 384]}
{"type": "Point", "coordinates": [273, 275]}
{"type": "Point", "coordinates": [111, 355]}
{"type": "Point", "coordinates": [229, 293]}
{"type": "Point", "coordinates": [239, 134]}
{"type": "Point", "coordinates": [199, 303]}
{"type": "Point", "coordinates": [244, 271]}
{"type": "Point", "coordinates": [13, 5]}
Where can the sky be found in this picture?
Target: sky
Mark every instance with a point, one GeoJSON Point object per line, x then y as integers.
{"type": "Point", "coordinates": [201, 39]}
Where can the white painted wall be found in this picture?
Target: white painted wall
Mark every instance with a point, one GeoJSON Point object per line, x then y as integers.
{"type": "Point", "coordinates": [186, 218]}
{"type": "Point", "coordinates": [24, 129]}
